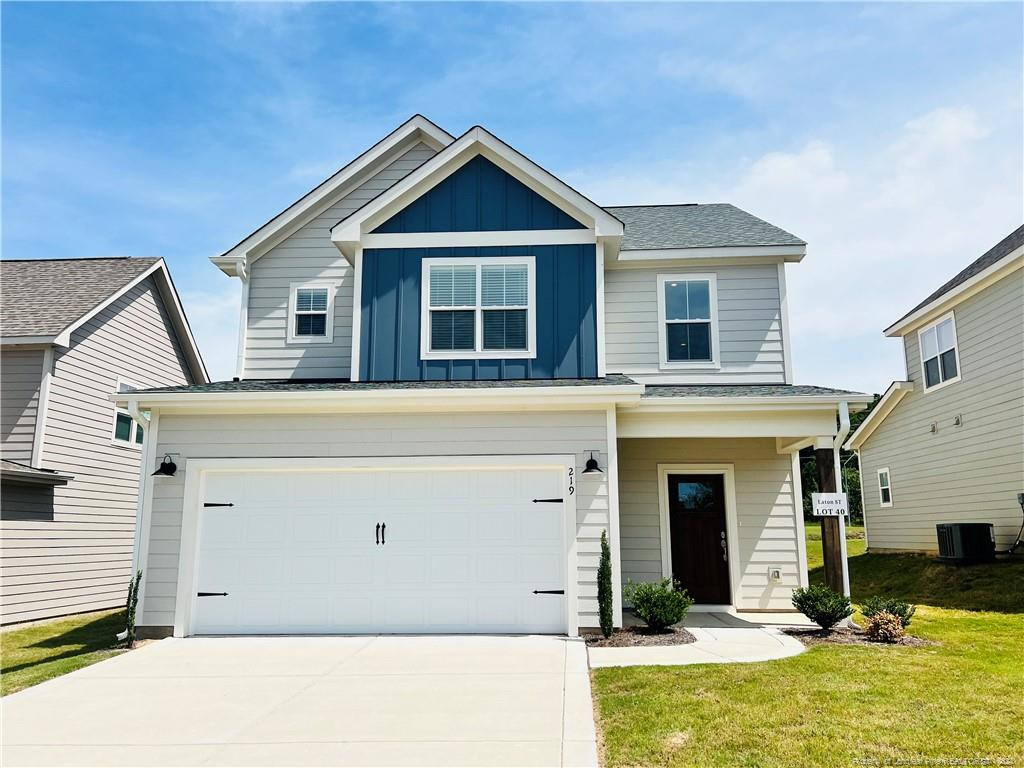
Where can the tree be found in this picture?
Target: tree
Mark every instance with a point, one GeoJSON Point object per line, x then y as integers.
{"type": "Point", "coordinates": [604, 586]}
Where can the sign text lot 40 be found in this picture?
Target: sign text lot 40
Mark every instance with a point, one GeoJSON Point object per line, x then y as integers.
{"type": "Point", "coordinates": [829, 505]}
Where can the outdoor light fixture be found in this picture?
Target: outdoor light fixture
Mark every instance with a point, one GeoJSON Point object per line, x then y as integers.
{"type": "Point", "coordinates": [168, 467]}
{"type": "Point", "coordinates": [592, 468]}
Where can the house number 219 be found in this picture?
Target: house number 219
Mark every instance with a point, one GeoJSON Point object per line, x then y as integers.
{"type": "Point", "coordinates": [572, 480]}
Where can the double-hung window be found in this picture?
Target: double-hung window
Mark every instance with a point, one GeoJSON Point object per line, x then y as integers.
{"type": "Point", "coordinates": [126, 431]}
{"type": "Point", "coordinates": [884, 487]}
{"type": "Point", "coordinates": [940, 363]}
{"type": "Point", "coordinates": [311, 312]}
{"type": "Point", "coordinates": [688, 321]}
{"type": "Point", "coordinates": [478, 308]}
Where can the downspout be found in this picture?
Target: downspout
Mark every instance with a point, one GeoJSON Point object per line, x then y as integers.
{"type": "Point", "coordinates": [243, 317]}
{"type": "Point", "coordinates": [844, 430]}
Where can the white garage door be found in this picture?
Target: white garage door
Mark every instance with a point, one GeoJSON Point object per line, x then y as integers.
{"type": "Point", "coordinates": [381, 551]}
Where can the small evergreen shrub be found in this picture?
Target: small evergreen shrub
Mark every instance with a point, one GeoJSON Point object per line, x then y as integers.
{"type": "Point", "coordinates": [604, 586]}
{"type": "Point", "coordinates": [823, 606]}
{"type": "Point", "coordinates": [659, 604]}
{"type": "Point", "coordinates": [130, 606]}
{"type": "Point", "coordinates": [885, 627]}
{"type": "Point", "coordinates": [877, 604]}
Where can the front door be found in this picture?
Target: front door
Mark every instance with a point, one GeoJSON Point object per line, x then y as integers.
{"type": "Point", "coordinates": [700, 554]}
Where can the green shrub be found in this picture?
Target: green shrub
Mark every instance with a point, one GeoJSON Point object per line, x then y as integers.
{"type": "Point", "coordinates": [900, 608]}
{"type": "Point", "coordinates": [885, 627]}
{"type": "Point", "coordinates": [823, 606]}
{"type": "Point", "coordinates": [604, 586]}
{"type": "Point", "coordinates": [659, 604]}
{"type": "Point", "coordinates": [130, 605]}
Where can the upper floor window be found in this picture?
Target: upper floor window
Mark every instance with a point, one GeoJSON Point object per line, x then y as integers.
{"type": "Point", "coordinates": [311, 312]}
{"type": "Point", "coordinates": [126, 431]}
{"type": "Point", "coordinates": [478, 308]}
{"type": "Point", "coordinates": [884, 487]}
{"type": "Point", "coordinates": [688, 321]}
{"type": "Point", "coordinates": [940, 361]}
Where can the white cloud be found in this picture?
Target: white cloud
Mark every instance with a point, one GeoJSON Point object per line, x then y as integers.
{"type": "Point", "coordinates": [213, 316]}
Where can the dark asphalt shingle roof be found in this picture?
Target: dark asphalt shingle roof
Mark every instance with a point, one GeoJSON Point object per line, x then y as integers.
{"type": "Point", "coordinates": [344, 385]}
{"type": "Point", "coordinates": [742, 390]}
{"type": "Point", "coordinates": [1008, 244]}
{"type": "Point", "coordinates": [42, 297]}
{"type": "Point", "coordinates": [712, 225]}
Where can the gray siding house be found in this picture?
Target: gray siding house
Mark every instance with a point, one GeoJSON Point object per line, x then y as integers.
{"type": "Point", "coordinates": [946, 444]}
{"type": "Point", "coordinates": [454, 372]}
{"type": "Point", "coordinates": [75, 331]}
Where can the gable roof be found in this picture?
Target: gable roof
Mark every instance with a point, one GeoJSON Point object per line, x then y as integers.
{"type": "Point", "coordinates": [416, 129]}
{"type": "Point", "coordinates": [1006, 247]}
{"type": "Point", "coordinates": [711, 225]}
{"type": "Point", "coordinates": [29, 289]}
{"type": "Point", "coordinates": [42, 301]}
{"type": "Point", "coordinates": [476, 141]}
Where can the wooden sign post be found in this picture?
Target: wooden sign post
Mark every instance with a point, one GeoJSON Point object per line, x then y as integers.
{"type": "Point", "coordinates": [831, 534]}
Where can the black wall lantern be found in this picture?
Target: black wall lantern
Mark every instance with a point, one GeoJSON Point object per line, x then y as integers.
{"type": "Point", "coordinates": [591, 467]}
{"type": "Point", "coordinates": [167, 467]}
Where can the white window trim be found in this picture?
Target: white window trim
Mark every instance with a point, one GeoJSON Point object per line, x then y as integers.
{"type": "Point", "coordinates": [479, 353]}
{"type": "Point", "coordinates": [129, 443]}
{"type": "Point", "coordinates": [881, 500]}
{"type": "Point", "coordinates": [332, 290]}
{"type": "Point", "coordinates": [663, 361]}
{"type": "Point", "coordinates": [956, 352]}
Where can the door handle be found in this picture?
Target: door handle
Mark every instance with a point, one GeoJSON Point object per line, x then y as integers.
{"type": "Point", "coordinates": [383, 527]}
{"type": "Point", "coordinates": [376, 536]}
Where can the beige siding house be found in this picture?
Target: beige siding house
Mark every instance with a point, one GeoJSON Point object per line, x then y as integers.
{"type": "Point", "coordinates": [454, 373]}
{"type": "Point", "coordinates": [946, 445]}
{"type": "Point", "coordinates": [74, 332]}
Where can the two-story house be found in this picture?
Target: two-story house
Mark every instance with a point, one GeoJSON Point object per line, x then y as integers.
{"type": "Point", "coordinates": [73, 332]}
{"type": "Point", "coordinates": [454, 372]}
{"type": "Point", "coordinates": [946, 445]}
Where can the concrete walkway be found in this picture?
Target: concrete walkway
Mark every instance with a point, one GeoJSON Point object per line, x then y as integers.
{"type": "Point", "coordinates": [396, 701]}
{"type": "Point", "coordinates": [722, 638]}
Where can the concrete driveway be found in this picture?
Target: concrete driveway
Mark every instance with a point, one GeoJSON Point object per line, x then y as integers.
{"type": "Point", "coordinates": [314, 701]}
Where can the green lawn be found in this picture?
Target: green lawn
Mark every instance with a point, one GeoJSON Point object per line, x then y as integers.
{"type": "Point", "coordinates": [835, 704]}
{"type": "Point", "coordinates": [854, 543]}
{"type": "Point", "coordinates": [36, 653]}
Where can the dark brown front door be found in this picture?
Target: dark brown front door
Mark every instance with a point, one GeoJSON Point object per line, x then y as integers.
{"type": "Point", "coordinates": [696, 516]}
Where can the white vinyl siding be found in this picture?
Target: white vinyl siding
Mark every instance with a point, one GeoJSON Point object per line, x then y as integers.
{"type": "Point", "coordinates": [308, 255]}
{"type": "Point", "coordinates": [359, 435]}
{"type": "Point", "coordinates": [966, 473]}
{"type": "Point", "coordinates": [22, 374]}
{"type": "Point", "coordinates": [78, 558]}
{"type": "Point", "coordinates": [767, 519]}
{"type": "Point", "coordinates": [749, 333]}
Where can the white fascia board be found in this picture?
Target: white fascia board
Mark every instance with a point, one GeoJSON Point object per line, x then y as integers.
{"type": "Point", "coordinates": [416, 129]}
{"type": "Point", "coordinates": [476, 141]}
{"type": "Point", "coordinates": [791, 253]}
{"type": "Point", "coordinates": [29, 477]}
{"type": "Point", "coordinates": [896, 392]}
{"type": "Point", "coordinates": [28, 341]}
{"type": "Point", "coordinates": [406, 400]}
{"type": "Point", "coordinates": [726, 404]}
{"type": "Point", "coordinates": [907, 324]}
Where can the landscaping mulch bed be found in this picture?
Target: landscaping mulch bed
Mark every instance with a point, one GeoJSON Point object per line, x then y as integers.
{"type": "Point", "coordinates": [846, 636]}
{"type": "Point", "coordinates": [633, 636]}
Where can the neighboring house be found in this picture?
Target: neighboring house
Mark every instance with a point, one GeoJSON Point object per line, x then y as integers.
{"type": "Point", "coordinates": [455, 371]}
{"type": "Point", "coordinates": [947, 444]}
{"type": "Point", "coordinates": [74, 331]}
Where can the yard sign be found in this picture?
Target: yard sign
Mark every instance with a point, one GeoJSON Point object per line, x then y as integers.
{"type": "Point", "coordinates": [829, 505]}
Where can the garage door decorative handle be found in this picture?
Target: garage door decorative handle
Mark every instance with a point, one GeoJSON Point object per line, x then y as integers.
{"type": "Point", "coordinates": [383, 527]}
{"type": "Point", "coordinates": [548, 501]}
{"type": "Point", "coordinates": [211, 594]}
{"type": "Point", "coordinates": [217, 504]}
{"type": "Point", "coordinates": [549, 591]}
{"type": "Point", "coordinates": [376, 536]}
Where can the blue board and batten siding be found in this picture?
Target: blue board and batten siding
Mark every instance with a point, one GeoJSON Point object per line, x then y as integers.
{"type": "Point", "coordinates": [566, 316]}
{"type": "Point", "coordinates": [479, 197]}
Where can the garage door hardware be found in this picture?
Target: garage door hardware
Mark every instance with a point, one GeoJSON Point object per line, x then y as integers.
{"type": "Point", "coordinates": [217, 504]}
{"type": "Point", "coordinates": [211, 594]}
{"type": "Point", "coordinates": [379, 537]}
{"type": "Point", "coordinates": [548, 501]}
{"type": "Point", "coordinates": [549, 591]}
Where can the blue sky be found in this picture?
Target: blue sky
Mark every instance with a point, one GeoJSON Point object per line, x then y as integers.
{"type": "Point", "coordinates": [887, 136]}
